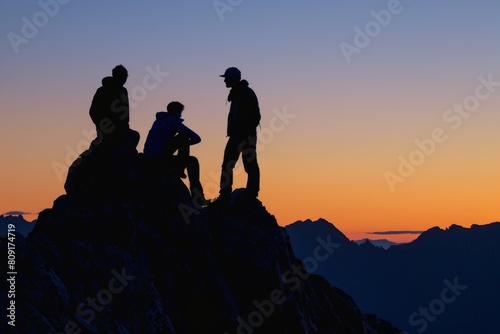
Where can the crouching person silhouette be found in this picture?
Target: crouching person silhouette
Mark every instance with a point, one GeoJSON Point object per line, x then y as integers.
{"type": "Point", "coordinates": [110, 112]}
{"type": "Point", "coordinates": [168, 135]}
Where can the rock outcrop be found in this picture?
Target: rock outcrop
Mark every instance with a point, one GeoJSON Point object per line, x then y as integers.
{"type": "Point", "coordinates": [125, 251]}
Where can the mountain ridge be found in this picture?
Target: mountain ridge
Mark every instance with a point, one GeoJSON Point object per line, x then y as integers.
{"type": "Point", "coordinates": [23, 226]}
{"type": "Point", "coordinates": [384, 243]}
{"type": "Point", "coordinates": [400, 282]}
{"type": "Point", "coordinates": [125, 251]}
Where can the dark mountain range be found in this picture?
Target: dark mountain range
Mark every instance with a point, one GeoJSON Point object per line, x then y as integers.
{"type": "Point", "coordinates": [125, 251]}
{"type": "Point", "coordinates": [22, 226]}
{"type": "Point", "coordinates": [445, 281]}
{"type": "Point", "coordinates": [384, 243]}
{"type": "Point", "coordinates": [303, 235]}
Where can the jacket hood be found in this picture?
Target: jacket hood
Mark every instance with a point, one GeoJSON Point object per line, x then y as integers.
{"type": "Point", "coordinates": [235, 90]}
{"type": "Point", "coordinates": [163, 114]}
{"type": "Point", "coordinates": [108, 81]}
{"type": "Point", "coordinates": [243, 84]}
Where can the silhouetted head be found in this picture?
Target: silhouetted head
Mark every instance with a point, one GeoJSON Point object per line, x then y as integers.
{"type": "Point", "coordinates": [175, 108]}
{"type": "Point", "coordinates": [231, 76]}
{"type": "Point", "coordinates": [120, 74]}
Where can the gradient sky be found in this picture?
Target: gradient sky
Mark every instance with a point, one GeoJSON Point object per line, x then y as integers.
{"type": "Point", "coordinates": [339, 129]}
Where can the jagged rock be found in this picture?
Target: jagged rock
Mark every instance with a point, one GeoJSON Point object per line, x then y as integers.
{"type": "Point", "coordinates": [154, 263]}
{"type": "Point", "coordinates": [105, 173]}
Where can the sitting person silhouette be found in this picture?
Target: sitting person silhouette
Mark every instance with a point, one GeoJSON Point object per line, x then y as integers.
{"type": "Point", "coordinates": [110, 112]}
{"type": "Point", "coordinates": [167, 135]}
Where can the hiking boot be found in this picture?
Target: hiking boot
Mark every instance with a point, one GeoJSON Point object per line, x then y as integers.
{"type": "Point", "coordinates": [201, 201]}
{"type": "Point", "coordinates": [249, 194]}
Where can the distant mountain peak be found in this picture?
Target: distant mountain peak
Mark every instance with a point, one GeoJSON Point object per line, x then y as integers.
{"type": "Point", "coordinates": [384, 243]}
{"type": "Point", "coordinates": [454, 231]}
{"type": "Point", "coordinates": [23, 226]}
{"type": "Point", "coordinates": [455, 227]}
{"type": "Point", "coordinates": [316, 228]}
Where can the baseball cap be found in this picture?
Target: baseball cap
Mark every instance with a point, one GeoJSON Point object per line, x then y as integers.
{"type": "Point", "coordinates": [231, 72]}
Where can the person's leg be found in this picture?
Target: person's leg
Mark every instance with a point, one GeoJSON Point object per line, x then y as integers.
{"type": "Point", "coordinates": [179, 143]}
{"type": "Point", "coordinates": [195, 187]}
{"type": "Point", "coordinates": [183, 147]}
{"type": "Point", "coordinates": [249, 156]}
{"type": "Point", "coordinates": [133, 137]}
{"type": "Point", "coordinates": [231, 154]}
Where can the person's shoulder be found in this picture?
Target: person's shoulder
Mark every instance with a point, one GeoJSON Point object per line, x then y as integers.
{"type": "Point", "coordinates": [250, 93]}
{"type": "Point", "coordinates": [164, 118]}
{"type": "Point", "coordinates": [245, 86]}
{"type": "Point", "coordinates": [161, 115]}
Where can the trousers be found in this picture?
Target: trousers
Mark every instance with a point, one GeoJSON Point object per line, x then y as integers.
{"type": "Point", "coordinates": [247, 147]}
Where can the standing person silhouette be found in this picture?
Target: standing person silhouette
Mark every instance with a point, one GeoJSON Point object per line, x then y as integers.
{"type": "Point", "coordinates": [243, 119]}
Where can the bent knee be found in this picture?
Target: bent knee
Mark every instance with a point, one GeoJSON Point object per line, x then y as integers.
{"type": "Point", "coordinates": [193, 161]}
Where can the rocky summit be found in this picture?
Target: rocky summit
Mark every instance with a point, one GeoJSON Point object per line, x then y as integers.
{"type": "Point", "coordinates": [126, 251]}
